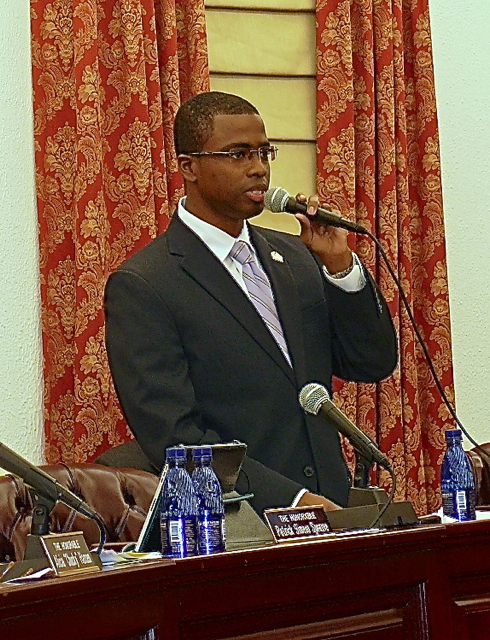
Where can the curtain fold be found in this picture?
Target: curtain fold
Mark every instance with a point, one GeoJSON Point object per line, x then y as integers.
{"type": "Point", "coordinates": [378, 163]}
{"type": "Point", "coordinates": [108, 79]}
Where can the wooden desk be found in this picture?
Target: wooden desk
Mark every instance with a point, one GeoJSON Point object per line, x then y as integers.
{"type": "Point", "coordinates": [432, 582]}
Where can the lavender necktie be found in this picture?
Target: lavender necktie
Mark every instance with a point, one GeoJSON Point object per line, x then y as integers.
{"type": "Point", "coordinates": [260, 292]}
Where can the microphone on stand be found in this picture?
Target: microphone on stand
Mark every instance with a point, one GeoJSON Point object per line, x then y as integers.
{"type": "Point", "coordinates": [315, 400]}
{"type": "Point", "coordinates": [48, 487]}
{"type": "Point", "coordinates": [369, 510]}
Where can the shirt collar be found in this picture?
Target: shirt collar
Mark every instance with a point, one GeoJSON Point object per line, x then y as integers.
{"type": "Point", "coordinates": [218, 241]}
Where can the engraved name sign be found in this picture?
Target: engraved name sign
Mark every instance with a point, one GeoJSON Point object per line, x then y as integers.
{"type": "Point", "coordinates": [297, 523]}
{"type": "Point", "coordinates": [68, 553]}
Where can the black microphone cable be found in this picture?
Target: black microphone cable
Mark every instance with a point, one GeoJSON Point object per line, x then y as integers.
{"type": "Point", "coordinates": [425, 350]}
{"type": "Point", "coordinates": [278, 200]}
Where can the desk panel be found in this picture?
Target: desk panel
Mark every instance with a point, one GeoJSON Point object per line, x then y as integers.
{"type": "Point", "coordinates": [429, 583]}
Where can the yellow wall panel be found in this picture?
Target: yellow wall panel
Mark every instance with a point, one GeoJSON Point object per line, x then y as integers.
{"type": "Point", "coordinates": [261, 43]}
{"type": "Point", "coordinates": [295, 167]}
{"type": "Point", "coordinates": [295, 5]}
{"type": "Point", "coordinates": [246, 50]}
{"type": "Point", "coordinates": [287, 105]}
{"type": "Point", "coordinates": [279, 221]}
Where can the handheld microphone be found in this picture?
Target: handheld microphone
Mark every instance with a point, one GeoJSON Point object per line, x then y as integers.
{"type": "Point", "coordinates": [278, 200]}
{"type": "Point", "coordinates": [315, 400]}
{"type": "Point", "coordinates": [42, 483]}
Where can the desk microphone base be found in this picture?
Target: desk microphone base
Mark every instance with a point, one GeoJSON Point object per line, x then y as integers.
{"type": "Point", "coordinates": [365, 505]}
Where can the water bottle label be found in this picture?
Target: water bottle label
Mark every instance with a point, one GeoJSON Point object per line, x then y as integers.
{"type": "Point", "coordinates": [175, 531]}
{"type": "Point", "coordinates": [179, 537]}
{"type": "Point", "coordinates": [211, 534]}
{"type": "Point", "coordinates": [459, 504]}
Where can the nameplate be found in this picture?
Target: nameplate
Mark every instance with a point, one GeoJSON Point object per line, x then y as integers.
{"type": "Point", "coordinates": [68, 553]}
{"type": "Point", "coordinates": [297, 523]}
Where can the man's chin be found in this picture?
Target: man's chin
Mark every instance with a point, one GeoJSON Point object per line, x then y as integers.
{"type": "Point", "coordinates": [258, 210]}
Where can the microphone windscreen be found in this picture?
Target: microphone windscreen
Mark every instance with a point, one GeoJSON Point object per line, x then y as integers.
{"type": "Point", "coordinates": [312, 396]}
{"type": "Point", "coordinates": [276, 199]}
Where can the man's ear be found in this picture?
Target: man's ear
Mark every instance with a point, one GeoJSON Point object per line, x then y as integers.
{"type": "Point", "coordinates": [187, 167]}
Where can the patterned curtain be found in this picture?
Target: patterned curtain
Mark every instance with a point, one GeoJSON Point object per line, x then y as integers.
{"type": "Point", "coordinates": [108, 78]}
{"type": "Point", "coordinates": [378, 160]}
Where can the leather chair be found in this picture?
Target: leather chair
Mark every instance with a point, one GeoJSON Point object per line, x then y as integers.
{"type": "Point", "coordinates": [481, 469]}
{"type": "Point", "coordinates": [120, 496]}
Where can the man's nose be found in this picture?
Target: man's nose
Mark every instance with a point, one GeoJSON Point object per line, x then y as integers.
{"type": "Point", "coordinates": [258, 166]}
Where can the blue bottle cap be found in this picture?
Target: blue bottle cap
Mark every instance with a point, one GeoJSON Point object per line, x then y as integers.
{"type": "Point", "coordinates": [201, 453]}
{"type": "Point", "coordinates": [453, 434]}
{"type": "Point", "coordinates": [176, 454]}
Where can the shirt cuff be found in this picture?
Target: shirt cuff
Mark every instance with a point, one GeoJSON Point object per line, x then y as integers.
{"type": "Point", "coordinates": [353, 281]}
{"type": "Point", "coordinates": [298, 497]}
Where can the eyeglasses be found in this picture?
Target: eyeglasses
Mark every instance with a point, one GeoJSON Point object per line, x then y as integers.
{"type": "Point", "coordinates": [265, 154]}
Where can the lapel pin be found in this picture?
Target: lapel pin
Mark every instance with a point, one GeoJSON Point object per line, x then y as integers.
{"type": "Point", "coordinates": [276, 256]}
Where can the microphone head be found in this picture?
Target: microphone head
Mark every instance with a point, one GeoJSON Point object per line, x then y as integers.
{"type": "Point", "coordinates": [276, 199]}
{"type": "Point", "coordinates": [312, 396]}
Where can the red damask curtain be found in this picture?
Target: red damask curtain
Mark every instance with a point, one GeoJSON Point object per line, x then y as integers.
{"type": "Point", "coordinates": [108, 78]}
{"type": "Point", "coordinates": [378, 158]}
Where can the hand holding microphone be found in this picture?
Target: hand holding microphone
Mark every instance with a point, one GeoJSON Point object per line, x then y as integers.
{"type": "Point", "coordinates": [278, 200]}
{"type": "Point", "coordinates": [323, 231]}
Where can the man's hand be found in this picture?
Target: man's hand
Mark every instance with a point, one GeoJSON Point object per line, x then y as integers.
{"type": "Point", "coordinates": [328, 243]}
{"type": "Point", "coordinates": [313, 500]}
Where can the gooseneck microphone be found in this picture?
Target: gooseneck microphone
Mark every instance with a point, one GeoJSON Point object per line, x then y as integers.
{"type": "Point", "coordinates": [315, 400]}
{"type": "Point", "coordinates": [278, 200]}
{"type": "Point", "coordinates": [46, 486]}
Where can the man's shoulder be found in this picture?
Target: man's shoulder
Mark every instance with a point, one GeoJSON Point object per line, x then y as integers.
{"type": "Point", "coordinates": [154, 254]}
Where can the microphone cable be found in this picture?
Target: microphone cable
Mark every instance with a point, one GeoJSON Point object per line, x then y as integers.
{"type": "Point", "coordinates": [278, 200]}
{"type": "Point", "coordinates": [420, 339]}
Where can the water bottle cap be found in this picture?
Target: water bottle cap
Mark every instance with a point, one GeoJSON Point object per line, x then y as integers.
{"type": "Point", "coordinates": [453, 434]}
{"type": "Point", "coordinates": [176, 454]}
{"type": "Point", "coordinates": [200, 453]}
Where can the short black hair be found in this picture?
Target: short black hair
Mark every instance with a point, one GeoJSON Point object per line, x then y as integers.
{"type": "Point", "coordinates": [194, 121]}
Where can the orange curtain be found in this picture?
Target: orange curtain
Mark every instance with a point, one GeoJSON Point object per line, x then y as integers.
{"type": "Point", "coordinates": [378, 160]}
{"type": "Point", "coordinates": [108, 78]}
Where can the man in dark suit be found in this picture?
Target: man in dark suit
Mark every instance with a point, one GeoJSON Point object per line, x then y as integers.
{"type": "Point", "coordinates": [193, 357]}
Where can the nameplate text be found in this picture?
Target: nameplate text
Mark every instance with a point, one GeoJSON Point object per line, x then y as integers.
{"type": "Point", "coordinates": [297, 523]}
{"type": "Point", "coordinates": [68, 553]}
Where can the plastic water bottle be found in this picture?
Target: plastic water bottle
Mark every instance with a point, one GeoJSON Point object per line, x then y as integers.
{"type": "Point", "coordinates": [211, 511]}
{"type": "Point", "coordinates": [178, 517]}
{"type": "Point", "coordinates": [458, 482]}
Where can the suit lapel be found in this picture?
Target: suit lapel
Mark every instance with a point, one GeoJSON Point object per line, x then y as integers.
{"type": "Point", "coordinates": [203, 266]}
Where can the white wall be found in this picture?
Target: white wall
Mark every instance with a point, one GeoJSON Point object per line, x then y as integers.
{"type": "Point", "coordinates": [20, 346]}
{"type": "Point", "coordinates": [460, 32]}
{"type": "Point", "coordinates": [462, 56]}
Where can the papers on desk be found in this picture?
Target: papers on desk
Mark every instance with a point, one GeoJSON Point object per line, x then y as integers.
{"type": "Point", "coordinates": [31, 577]}
{"type": "Point", "coordinates": [109, 556]}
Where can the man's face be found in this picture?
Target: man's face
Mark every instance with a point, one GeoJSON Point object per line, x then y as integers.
{"type": "Point", "coordinates": [225, 191]}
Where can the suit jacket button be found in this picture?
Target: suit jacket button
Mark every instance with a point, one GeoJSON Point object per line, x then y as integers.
{"type": "Point", "coordinates": [308, 471]}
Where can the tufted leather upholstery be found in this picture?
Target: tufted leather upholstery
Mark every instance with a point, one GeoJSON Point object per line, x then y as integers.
{"type": "Point", "coordinates": [121, 497]}
{"type": "Point", "coordinates": [481, 468]}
